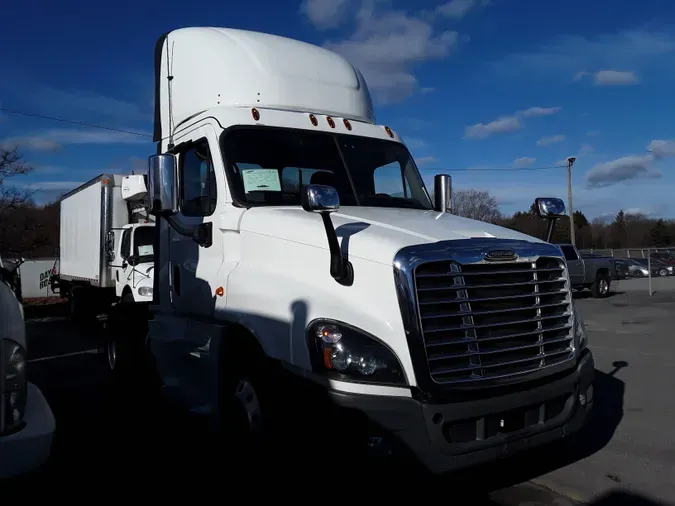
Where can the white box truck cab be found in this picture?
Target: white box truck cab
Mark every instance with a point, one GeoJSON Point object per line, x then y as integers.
{"type": "Point", "coordinates": [106, 245]}
{"type": "Point", "coordinates": [296, 234]}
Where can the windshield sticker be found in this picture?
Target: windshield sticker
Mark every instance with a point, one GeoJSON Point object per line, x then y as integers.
{"type": "Point", "coordinates": [145, 250]}
{"type": "Point", "coordinates": [261, 180]}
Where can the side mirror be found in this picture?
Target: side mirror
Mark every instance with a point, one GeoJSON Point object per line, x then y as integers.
{"type": "Point", "coordinates": [550, 207]}
{"type": "Point", "coordinates": [442, 193]}
{"type": "Point", "coordinates": [319, 198]}
{"type": "Point", "coordinates": [132, 260]}
{"type": "Point", "coordinates": [324, 200]}
{"type": "Point", "coordinates": [110, 245]}
{"type": "Point", "coordinates": [163, 185]}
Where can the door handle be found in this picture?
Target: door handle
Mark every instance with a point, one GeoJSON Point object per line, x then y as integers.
{"type": "Point", "coordinates": [176, 279]}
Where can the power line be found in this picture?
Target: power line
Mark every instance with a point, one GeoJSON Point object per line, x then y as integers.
{"type": "Point", "coordinates": [72, 122]}
{"type": "Point", "coordinates": [495, 169]}
{"type": "Point", "coordinates": [131, 132]}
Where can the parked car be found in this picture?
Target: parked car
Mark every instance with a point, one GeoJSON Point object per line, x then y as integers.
{"type": "Point", "coordinates": [665, 256]}
{"type": "Point", "coordinates": [622, 268]}
{"type": "Point", "coordinates": [658, 267]}
{"type": "Point", "coordinates": [27, 427]}
{"type": "Point", "coordinates": [593, 272]}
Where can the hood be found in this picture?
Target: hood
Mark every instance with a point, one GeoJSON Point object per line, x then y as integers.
{"type": "Point", "coordinates": [146, 268]}
{"type": "Point", "coordinates": [373, 233]}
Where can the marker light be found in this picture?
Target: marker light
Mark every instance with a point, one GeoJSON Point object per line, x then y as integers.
{"type": "Point", "coordinates": [255, 114]}
{"type": "Point", "coordinates": [348, 125]}
{"type": "Point", "coordinates": [313, 119]}
{"type": "Point", "coordinates": [331, 123]}
{"type": "Point", "coordinates": [389, 132]}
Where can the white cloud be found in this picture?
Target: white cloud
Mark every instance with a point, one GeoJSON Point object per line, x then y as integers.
{"type": "Point", "coordinates": [387, 45]}
{"type": "Point", "coordinates": [564, 56]}
{"type": "Point", "coordinates": [622, 169]}
{"type": "Point", "coordinates": [524, 161]}
{"type": "Point", "coordinates": [54, 185]}
{"type": "Point", "coordinates": [425, 160]}
{"type": "Point", "coordinates": [631, 167]}
{"type": "Point", "coordinates": [325, 14]}
{"type": "Point", "coordinates": [533, 112]}
{"type": "Point", "coordinates": [414, 143]}
{"type": "Point", "coordinates": [51, 140]}
{"type": "Point", "coordinates": [615, 78]}
{"type": "Point", "coordinates": [500, 125]}
{"type": "Point", "coordinates": [457, 9]}
{"type": "Point", "coordinates": [509, 123]}
{"type": "Point", "coordinates": [427, 89]}
{"type": "Point", "coordinates": [661, 148]}
{"type": "Point", "coordinates": [30, 143]}
{"type": "Point", "coordinates": [552, 139]}
{"type": "Point", "coordinates": [585, 149]}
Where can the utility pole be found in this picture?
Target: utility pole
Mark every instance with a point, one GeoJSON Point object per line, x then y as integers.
{"type": "Point", "coordinates": [570, 162]}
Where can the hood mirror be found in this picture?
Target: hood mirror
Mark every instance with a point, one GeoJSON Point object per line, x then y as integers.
{"type": "Point", "coordinates": [550, 208]}
{"type": "Point", "coordinates": [322, 199]}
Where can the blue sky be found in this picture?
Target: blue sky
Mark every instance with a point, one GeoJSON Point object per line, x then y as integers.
{"type": "Point", "coordinates": [477, 88]}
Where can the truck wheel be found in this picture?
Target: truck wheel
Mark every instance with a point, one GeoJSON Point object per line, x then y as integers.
{"type": "Point", "coordinates": [247, 412]}
{"type": "Point", "coordinates": [600, 288]}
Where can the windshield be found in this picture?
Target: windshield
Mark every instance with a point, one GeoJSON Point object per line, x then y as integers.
{"type": "Point", "coordinates": [144, 239]}
{"type": "Point", "coordinates": [271, 166]}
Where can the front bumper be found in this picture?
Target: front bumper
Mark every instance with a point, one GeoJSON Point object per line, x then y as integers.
{"type": "Point", "coordinates": [29, 448]}
{"type": "Point", "coordinates": [447, 437]}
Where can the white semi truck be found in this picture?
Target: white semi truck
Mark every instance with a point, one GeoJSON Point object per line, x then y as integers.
{"type": "Point", "coordinates": [296, 239]}
{"type": "Point", "coordinates": [106, 245]}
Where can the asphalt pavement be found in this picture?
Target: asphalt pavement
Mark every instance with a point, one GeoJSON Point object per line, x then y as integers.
{"type": "Point", "coordinates": [111, 441]}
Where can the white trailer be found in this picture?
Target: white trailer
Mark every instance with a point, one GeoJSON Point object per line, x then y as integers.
{"type": "Point", "coordinates": [297, 240]}
{"type": "Point", "coordinates": [106, 244]}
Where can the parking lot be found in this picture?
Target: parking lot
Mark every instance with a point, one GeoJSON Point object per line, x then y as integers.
{"type": "Point", "coordinates": [109, 440]}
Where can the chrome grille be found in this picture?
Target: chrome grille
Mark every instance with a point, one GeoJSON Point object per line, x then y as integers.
{"type": "Point", "coordinates": [492, 320]}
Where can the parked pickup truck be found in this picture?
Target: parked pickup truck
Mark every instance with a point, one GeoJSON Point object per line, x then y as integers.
{"type": "Point", "coordinates": [591, 272]}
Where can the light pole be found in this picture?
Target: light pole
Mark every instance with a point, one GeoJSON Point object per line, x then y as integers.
{"type": "Point", "coordinates": [570, 162]}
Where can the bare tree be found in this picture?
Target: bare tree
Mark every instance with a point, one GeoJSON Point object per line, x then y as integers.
{"type": "Point", "coordinates": [12, 165]}
{"type": "Point", "coordinates": [476, 204]}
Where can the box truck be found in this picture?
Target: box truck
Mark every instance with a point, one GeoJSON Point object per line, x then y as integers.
{"type": "Point", "coordinates": [106, 245]}
{"type": "Point", "coordinates": [296, 240]}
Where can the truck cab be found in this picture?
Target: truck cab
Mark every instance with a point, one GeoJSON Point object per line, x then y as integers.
{"type": "Point", "coordinates": [296, 238]}
{"type": "Point", "coordinates": [133, 263]}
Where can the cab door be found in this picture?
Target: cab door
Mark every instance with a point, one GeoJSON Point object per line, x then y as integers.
{"type": "Point", "coordinates": [184, 353]}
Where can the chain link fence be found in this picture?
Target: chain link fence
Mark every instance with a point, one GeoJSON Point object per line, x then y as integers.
{"type": "Point", "coordinates": [650, 270]}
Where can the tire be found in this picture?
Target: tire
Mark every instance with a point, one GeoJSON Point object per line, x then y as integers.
{"type": "Point", "coordinates": [600, 288]}
{"type": "Point", "coordinates": [126, 352]}
{"type": "Point", "coordinates": [248, 411]}
{"type": "Point", "coordinates": [663, 272]}
{"type": "Point", "coordinates": [637, 274]}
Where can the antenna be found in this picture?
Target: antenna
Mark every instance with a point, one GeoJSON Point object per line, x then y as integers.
{"type": "Point", "coordinates": [169, 78]}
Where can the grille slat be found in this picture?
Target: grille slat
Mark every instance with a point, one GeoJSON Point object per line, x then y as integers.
{"type": "Point", "coordinates": [490, 299]}
{"type": "Point", "coordinates": [489, 352]}
{"type": "Point", "coordinates": [525, 283]}
{"type": "Point", "coordinates": [495, 311]}
{"type": "Point", "coordinates": [489, 273]}
{"type": "Point", "coordinates": [564, 328]}
{"type": "Point", "coordinates": [490, 320]}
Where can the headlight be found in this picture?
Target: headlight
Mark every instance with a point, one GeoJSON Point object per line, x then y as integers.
{"type": "Point", "coordinates": [13, 385]}
{"type": "Point", "coordinates": [145, 291]}
{"type": "Point", "coordinates": [351, 355]}
{"type": "Point", "coordinates": [580, 336]}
